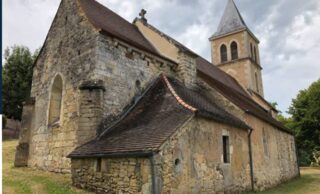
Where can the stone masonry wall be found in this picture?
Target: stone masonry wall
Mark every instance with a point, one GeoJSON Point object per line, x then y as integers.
{"type": "Point", "coordinates": [117, 175]}
{"type": "Point", "coordinates": [279, 164]}
{"type": "Point", "coordinates": [192, 160]}
{"type": "Point", "coordinates": [90, 112]}
{"type": "Point", "coordinates": [198, 147]}
{"type": "Point", "coordinates": [125, 72]}
{"type": "Point", "coordinates": [187, 69]}
{"type": "Point", "coordinates": [274, 154]}
{"type": "Point", "coordinates": [69, 51]}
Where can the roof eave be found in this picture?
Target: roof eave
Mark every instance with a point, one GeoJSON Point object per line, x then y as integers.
{"type": "Point", "coordinates": [218, 36]}
{"type": "Point", "coordinates": [141, 153]}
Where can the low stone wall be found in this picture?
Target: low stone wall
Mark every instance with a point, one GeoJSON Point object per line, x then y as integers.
{"type": "Point", "coordinates": [116, 175]}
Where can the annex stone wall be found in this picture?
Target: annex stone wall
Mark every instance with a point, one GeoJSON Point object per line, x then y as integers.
{"type": "Point", "coordinates": [189, 162]}
{"type": "Point", "coordinates": [117, 175]}
{"type": "Point", "coordinates": [193, 162]}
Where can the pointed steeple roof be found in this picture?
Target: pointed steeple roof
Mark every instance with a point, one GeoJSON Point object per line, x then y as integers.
{"type": "Point", "coordinates": [231, 20]}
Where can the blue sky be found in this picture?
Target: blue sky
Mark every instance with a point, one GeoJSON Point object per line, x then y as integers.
{"type": "Point", "coordinates": [289, 31]}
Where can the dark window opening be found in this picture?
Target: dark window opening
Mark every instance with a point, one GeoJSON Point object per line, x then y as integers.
{"type": "Point", "coordinates": [265, 142]}
{"type": "Point", "coordinates": [129, 55]}
{"type": "Point", "coordinates": [223, 53]}
{"type": "Point", "coordinates": [255, 55]}
{"type": "Point", "coordinates": [257, 81]}
{"type": "Point", "coordinates": [55, 100]}
{"type": "Point", "coordinates": [251, 49]}
{"type": "Point", "coordinates": [234, 51]}
{"type": "Point", "coordinates": [177, 166]}
{"type": "Point", "coordinates": [226, 149]}
{"type": "Point", "coordinates": [98, 165]}
{"type": "Point", "coordinates": [177, 162]}
{"type": "Point", "coordinates": [138, 84]}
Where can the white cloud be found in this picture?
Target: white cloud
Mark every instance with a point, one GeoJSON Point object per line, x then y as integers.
{"type": "Point", "coordinates": [289, 31]}
{"type": "Point", "coordinates": [296, 66]}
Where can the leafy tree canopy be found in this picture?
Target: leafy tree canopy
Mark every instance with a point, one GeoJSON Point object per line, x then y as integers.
{"type": "Point", "coordinates": [17, 78]}
{"type": "Point", "coordinates": [305, 120]}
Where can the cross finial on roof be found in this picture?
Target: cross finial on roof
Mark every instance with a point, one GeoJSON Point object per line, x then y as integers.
{"type": "Point", "coordinates": [142, 14]}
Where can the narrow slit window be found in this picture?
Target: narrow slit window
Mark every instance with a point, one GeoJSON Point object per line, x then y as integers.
{"type": "Point", "coordinates": [257, 81]}
{"type": "Point", "coordinates": [98, 165]}
{"type": "Point", "coordinates": [265, 142]}
{"type": "Point", "coordinates": [55, 100]}
{"type": "Point", "coordinates": [234, 51]}
{"type": "Point", "coordinates": [255, 55]}
{"type": "Point", "coordinates": [223, 53]}
{"type": "Point", "coordinates": [226, 149]}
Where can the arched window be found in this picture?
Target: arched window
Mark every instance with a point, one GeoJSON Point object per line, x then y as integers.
{"type": "Point", "coordinates": [223, 53]}
{"type": "Point", "coordinates": [255, 55]}
{"type": "Point", "coordinates": [234, 50]}
{"type": "Point", "coordinates": [251, 49]}
{"type": "Point", "coordinates": [55, 100]}
{"type": "Point", "coordinates": [257, 82]}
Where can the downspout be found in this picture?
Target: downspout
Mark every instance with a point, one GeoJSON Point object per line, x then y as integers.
{"type": "Point", "coordinates": [251, 160]}
{"type": "Point", "coordinates": [153, 175]}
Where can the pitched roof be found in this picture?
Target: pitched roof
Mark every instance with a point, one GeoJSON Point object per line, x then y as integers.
{"type": "Point", "coordinates": [153, 119]}
{"type": "Point", "coordinates": [208, 73]}
{"type": "Point", "coordinates": [213, 71]}
{"type": "Point", "coordinates": [175, 42]}
{"type": "Point", "coordinates": [112, 24]}
{"type": "Point", "coordinates": [231, 89]}
{"type": "Point", "coordinates": [231, 20]}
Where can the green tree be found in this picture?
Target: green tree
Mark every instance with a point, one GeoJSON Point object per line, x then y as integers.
{"type": "Point", "coordinates": [305, 121]}
{"type": "Point", "coordinates": [17, 78]}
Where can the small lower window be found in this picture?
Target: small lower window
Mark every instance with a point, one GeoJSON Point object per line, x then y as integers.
{"type": "Point", "coordinates": [98, 165]}
{"type": "Point", "coordinates": [177, 165]}
{"type": "Point", "coordinates": [226, 149]}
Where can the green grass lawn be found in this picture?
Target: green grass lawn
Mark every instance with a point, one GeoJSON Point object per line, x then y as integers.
{"type": "Point", "coordinates": [30, 181]}
{"type": "Point", "coordinates": [308, 183]}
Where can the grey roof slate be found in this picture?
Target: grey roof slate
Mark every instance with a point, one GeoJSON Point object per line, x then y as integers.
{"type": "Point", "coordinates": [231, 20]}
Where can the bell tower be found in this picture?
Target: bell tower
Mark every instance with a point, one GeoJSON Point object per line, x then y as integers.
{"type": "Point", "coordinates": [235, 50]}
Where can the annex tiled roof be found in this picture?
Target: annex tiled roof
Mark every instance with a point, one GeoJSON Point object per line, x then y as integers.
{"type": "Point", "coordinates": [154, 119]}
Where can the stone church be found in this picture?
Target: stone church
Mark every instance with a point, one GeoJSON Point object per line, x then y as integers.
{"type": "Point", "coordinates": [125, 108]}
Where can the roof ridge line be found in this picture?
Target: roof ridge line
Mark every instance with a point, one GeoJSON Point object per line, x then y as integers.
{"type": "Point", "coordinates": [248, 97]}
{"type": "Point", "coordinates": [177, 97]}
